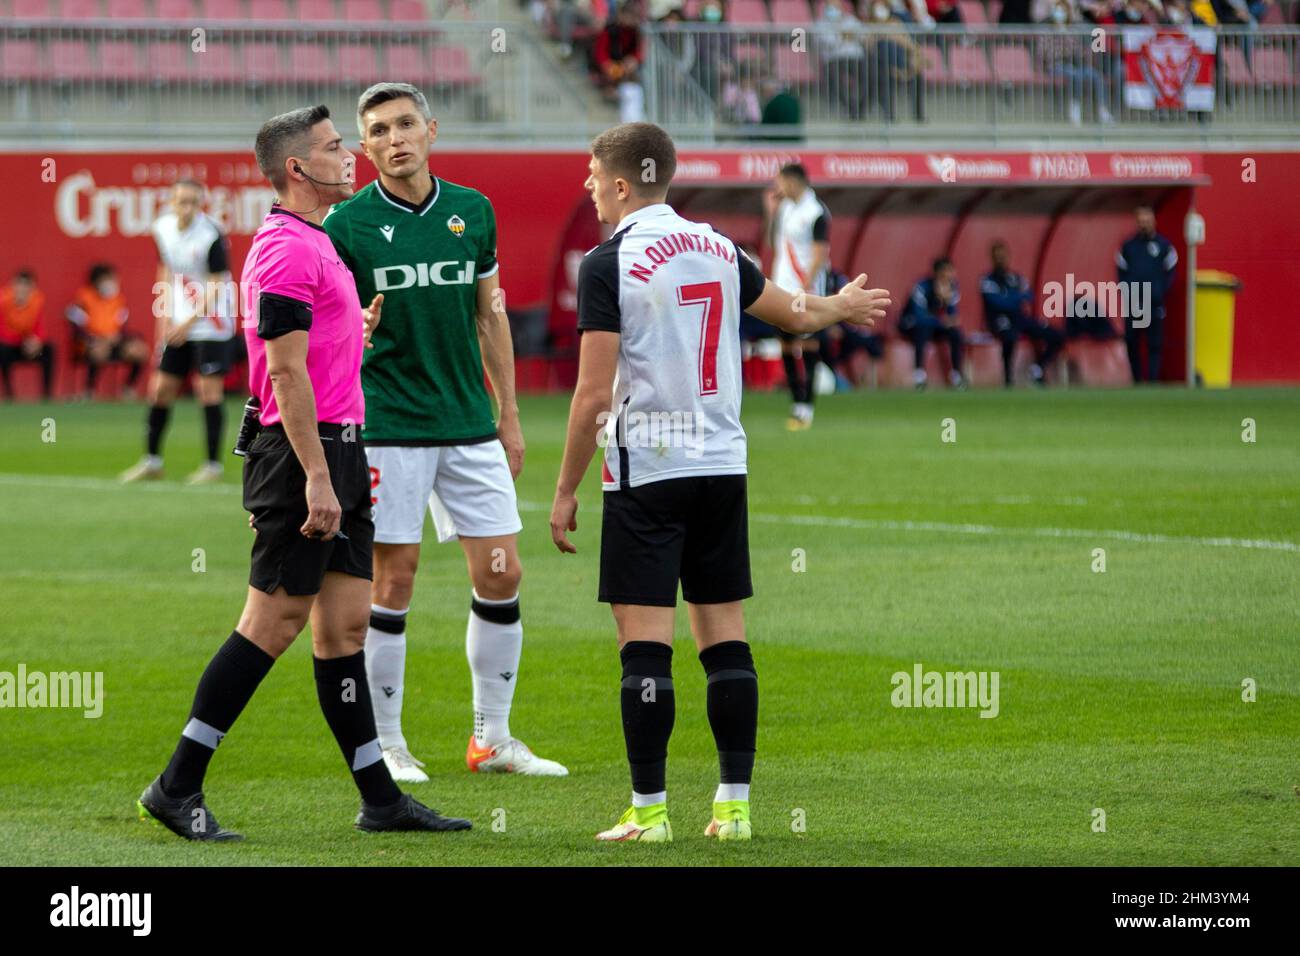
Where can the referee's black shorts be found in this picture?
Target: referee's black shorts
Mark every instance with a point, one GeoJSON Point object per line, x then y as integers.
{"type": "Point", "coordinates": [692, 530]}
{"type": "Point", "coordinates": [275, 493]}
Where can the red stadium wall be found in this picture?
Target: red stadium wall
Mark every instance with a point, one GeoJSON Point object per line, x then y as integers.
{"type": "Point", "coordinates": [73, 209]}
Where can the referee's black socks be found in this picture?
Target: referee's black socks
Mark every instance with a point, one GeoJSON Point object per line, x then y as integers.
{"type": "Point", "coordinates": [733, 707]}
{"type": "Point", "coordinates": [224, 690]}
{"type": "Point", "coordinates": [344, 697]}
{"type": "Point", "coordinates": [649, 709]}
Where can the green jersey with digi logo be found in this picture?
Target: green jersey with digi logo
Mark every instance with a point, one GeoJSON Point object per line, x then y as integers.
{"type": "Point", "coordinates": [423, 380]}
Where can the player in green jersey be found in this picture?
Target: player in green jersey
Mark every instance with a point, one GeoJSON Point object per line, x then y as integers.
{"type": "Point", "coordinates": [429, 246]}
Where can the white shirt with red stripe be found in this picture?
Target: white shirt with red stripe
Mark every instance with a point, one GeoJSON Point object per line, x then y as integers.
{"type": "Point", "coordinates": [673, 290]}
{"type": "Point", "coordinates": [799, 224]}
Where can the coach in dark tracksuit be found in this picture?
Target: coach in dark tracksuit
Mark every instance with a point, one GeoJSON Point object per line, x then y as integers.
{"type": "Point", "coordinates": [931, 313]}
{"type": "Point", "coordinates": [1009, 314]}
{"type": "Point", "coordinates": [1146, 258]}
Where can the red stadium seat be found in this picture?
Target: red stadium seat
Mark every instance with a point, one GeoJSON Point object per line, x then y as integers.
{"type": "Point", "coordinates": [127, 10]}
{"type": "Point", "coordinates": [70, 60]}
{"type": "Point", "coordinates": [1273, 16]}
{"type": "Point", "coordinates": [970, 66]}
{"type": "Point", "coordinates": [972, 13]}
{"type": "Point", "coordinates": [317, 12]}
{"type": "Point", "coordinates": [268, 10]}
{"type": "Point", "coordinates": [120, 60]}
{"type": "Point", "coordinates": [174, 9]}
{"type": "Point", "coordinates": [221, 10]}
{"type": "Point", "coordinates": [407, 11]}
{"type": "Point", "coordinates": [1235, 68]}
{"type": "Point", "coordinates": [794, 68]}
{"type": "Point", "coordinates": [363, 11]}
{"type": "Point", "coordinates": [80, 10]}
{"type": "Point", "coordinates": [409, 62]}
{"type": "Point", "coordinates": [933, 66]}
{"type": "Point", "coordinates": [451, 66]}
{"type": "Point", "coordinates": [791, 11]}
{"type": "Point", "coordinates": [1012, 65]}
{"type": "Point", "coordinates": [20, 60]}
{"type": "Point", "coordinates": [311, 63]}
{"type": "Point", "coordinates": [994, 8]}
{"type": "Point", "coordinates": [32, 9]}
{"type": "Point", "coordinates": [218, 64]}
{"type": "Point", "coordinates": [357, 64]}
{"type": "Point", "coordinates": [1272, 67]}
{"type": "Point", "coordinates": [264, 63]}
{"type": "Point", "coordinates": [747, 11]}
{"type": "Point", "coordinates": [169, 60]}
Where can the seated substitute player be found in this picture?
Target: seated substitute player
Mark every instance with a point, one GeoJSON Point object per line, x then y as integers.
{"type": "Point", "coordinates": [307, 487]}
{"type": "Point", "coordinates": [22, 331]}
{"type": "Point", "coordinates": [931, 313]}
{"type": "Point", "coordinates": [659, 307]}
{"type": "Point", "coordinates": [196, 328]}
{"type": "Point", "coordinates": [429, 246]}
{"type": "Point", "coordinates": [98, 314]}
{"type": "Point", "coordinates": [1009, 314]}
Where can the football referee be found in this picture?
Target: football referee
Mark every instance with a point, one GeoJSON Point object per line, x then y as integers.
{"type": "Point", "coordinates": [307, 486]}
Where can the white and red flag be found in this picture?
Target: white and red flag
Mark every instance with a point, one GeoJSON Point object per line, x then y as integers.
{"type": "Point", "coordinates": [1167, 68]}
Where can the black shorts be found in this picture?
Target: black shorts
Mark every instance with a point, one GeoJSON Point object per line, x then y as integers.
{"type": "Point", "coordinates": [275, 492]}
{"type": "Point", "coordinates": [692, 530]}
{"type": "Point", "coordinates": [206, 358]}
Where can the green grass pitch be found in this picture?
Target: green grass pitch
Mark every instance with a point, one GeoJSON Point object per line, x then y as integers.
{"type": "Point", "coordinates": [1120, 691]}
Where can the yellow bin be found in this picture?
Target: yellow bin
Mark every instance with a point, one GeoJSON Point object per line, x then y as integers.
{"type": "Point", "coordinates": [1216, 306]}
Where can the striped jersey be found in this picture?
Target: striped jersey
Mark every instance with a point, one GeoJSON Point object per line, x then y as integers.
{"type": "Point", "coordinates": [799, 224]}
{"type": "Point", "coordinates": [674, 290]}
{"type": "Point", "coordinates": [194, 255]}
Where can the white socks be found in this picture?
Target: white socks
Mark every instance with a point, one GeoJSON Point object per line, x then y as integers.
{"type": "Point", "coordinates": [494, 641]}
{"type": "Point", "coordinates": [385, 668]}
{"type": "Point", "coordinates": [649, 799]}
{"type": "Point", "coordinates": [731, 791]}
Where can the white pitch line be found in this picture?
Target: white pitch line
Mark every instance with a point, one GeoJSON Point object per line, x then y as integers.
{"type": "Point", "coordinates": [817, 521]}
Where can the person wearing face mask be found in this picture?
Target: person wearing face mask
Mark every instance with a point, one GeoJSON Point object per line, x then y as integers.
{"type": "Point", "coordinates": [98, 313]}
{"type": "Point", "coordinates": [843, 57]}
{"type": "Point", "coordinates": [1065, 56]}
{"type": "Point", "coordinates": [894, 62]}
{"type": "Point", "coordinates": [713, 48]}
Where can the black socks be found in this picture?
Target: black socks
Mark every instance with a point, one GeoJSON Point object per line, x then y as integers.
{"type": "Point", "coordinates": [344, 698]}
{"type": "Point", "coordinates": [733, 707]}
{"type": "Point", "coordinates": [649, 709]}
{"type": "Point", "coordinates": [158, 416]}
{"type": "Point", "coordinates": [224, 690]}
{"type": "Point", "coordinates": [214, 419]}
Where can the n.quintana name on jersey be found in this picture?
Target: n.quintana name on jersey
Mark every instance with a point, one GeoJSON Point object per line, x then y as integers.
{"type": "Point", "coordinates": [669, 246]}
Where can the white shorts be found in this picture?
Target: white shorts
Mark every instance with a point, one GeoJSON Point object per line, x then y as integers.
{"type": "Point", "coordinates": [467, 488]}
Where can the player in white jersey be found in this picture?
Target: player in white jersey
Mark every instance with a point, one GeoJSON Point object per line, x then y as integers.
{"type": "Point", "coordinates": [659, 307]}
{"type": "Point", "coordinates": [196, 327]}
{"type": "Point", "coordinates": [798, 228]}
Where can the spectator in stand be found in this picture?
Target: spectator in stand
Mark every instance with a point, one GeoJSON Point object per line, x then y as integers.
{"type": "Point", "coordinates": [1146, 263]}
{"type": "Point", "coordinates": [1016, 11]}
{"type": "Point", "coordinates": [1099, 12]}
{"type": "Point", "coordinates": [1176, 14]}
{"type": "Point", "coordinates": [568, 16]}
{"type": "Point", "coordinates": [1067, 56]}
{"type": "Point", "coordinates": [844, 59]}
{"type": "Point", "coordinates": [713, 49]}
{"type": "Point", "coordinates": [943, 11]}
{"type": "Point", "coordinates": [913, 12]}
{"type": "Point", "coordinates": [782, 113]}
{"type": "Point", "coordinates": [617, 53]}
{"type": "Point", "coordinates": [740, 105]}
{"type": "Point", "coordinates": [931, 313]}
{"type": "Point", "coordinates": [895, 61]}
{"type": "Point", "coordinates": [1009, 314]}
{"type": "Point", "coordinates": [22, 331]}
{"type": "Point", "coordinates": [1202, 13]}
{"type": "Point", "coordinates": [680, 45]}
{"type": "Point", "coordinates": [1232, 13]}
{"type": "Point", "coordinates": [98, 314]}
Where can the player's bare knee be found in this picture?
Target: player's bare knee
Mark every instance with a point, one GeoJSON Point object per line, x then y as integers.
{"type": "Point", "coordinates": [498, 585]}
{"type": "Point", "coordinates": [343, 641]}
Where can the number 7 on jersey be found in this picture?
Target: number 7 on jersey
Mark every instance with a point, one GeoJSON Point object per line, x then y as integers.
{"type": "Point", "coordinates": [708, 294]}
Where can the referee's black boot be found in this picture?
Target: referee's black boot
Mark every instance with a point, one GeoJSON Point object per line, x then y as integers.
{"type": "Point", "coordinates": [188, 817]}
{"type": "Point", "coordinates": [406, 814]}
